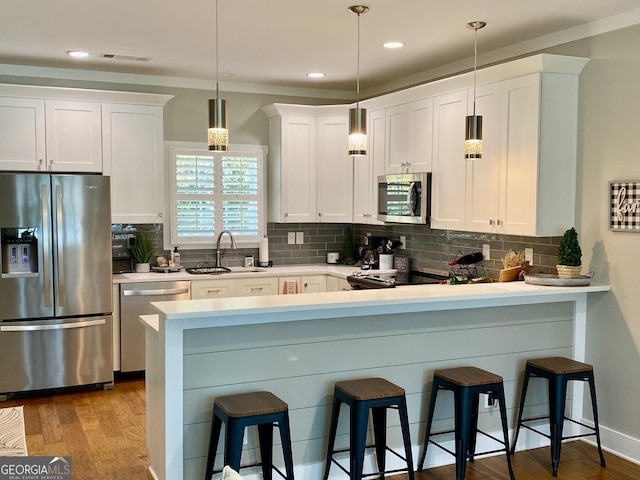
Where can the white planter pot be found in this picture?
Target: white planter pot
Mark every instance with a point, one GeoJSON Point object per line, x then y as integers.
{"type": "Point", "coordinates": [568, 271]}
{"type": "Point", "coordinates": [142, 268]}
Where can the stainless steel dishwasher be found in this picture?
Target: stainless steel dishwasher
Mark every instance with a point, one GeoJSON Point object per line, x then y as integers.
{"type": "Point", "coordinates": [135, 300]}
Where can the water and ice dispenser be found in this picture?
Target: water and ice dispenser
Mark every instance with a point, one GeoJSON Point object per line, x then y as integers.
{"type": "Point", "coordinates": [19, 251]}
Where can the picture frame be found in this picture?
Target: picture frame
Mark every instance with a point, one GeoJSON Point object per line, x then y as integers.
{"type": "Point", "coordinates": [624, 206]}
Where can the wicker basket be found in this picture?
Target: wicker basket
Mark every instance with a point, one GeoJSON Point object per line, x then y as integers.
{"type": "Point", "coordinates": [568, 271]}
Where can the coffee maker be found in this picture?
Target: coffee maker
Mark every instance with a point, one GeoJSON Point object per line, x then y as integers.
{"type": "Point", "coordinates": [369, 251]}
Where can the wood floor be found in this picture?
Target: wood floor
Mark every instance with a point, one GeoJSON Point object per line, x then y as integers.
{"type": "Point", "coordinates": [104, 433]}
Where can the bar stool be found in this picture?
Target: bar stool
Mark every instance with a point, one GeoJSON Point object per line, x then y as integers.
{"type": "Point", "coordinates": [558, 371]}
{"type": "Point", "coordinates": [467, 383]}
{"type": "Point", "coordinates": [263, 409]}
{"type": "Point", "coordinates": [362, 395]}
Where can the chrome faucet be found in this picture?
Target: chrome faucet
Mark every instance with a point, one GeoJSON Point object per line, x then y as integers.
{"type": "Point", "coordinates": [218, 250]}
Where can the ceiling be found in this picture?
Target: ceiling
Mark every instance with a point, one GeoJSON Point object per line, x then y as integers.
{"type": "Point", "coordinates": [277, 42]}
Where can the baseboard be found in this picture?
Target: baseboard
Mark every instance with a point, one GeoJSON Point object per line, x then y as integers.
{"type": "Point", "coordinates": [618, 443]}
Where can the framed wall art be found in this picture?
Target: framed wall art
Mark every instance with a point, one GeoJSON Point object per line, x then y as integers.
{"type": "Point", "coordinates": [624, 206]}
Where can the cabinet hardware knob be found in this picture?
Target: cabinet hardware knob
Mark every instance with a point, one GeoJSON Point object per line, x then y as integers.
{"type": "Point", "coordinates": [490, 222]}
{"type": "Point", "coordinates": [214, 291]}
{"type": "Point", "coordinates": [499, 222]}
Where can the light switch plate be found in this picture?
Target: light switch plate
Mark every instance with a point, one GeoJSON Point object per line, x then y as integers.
{"type": "Point", "coordinates": [291, 238]}
{"type": "Point", "coordinates": [486, 251]}
{"type": "Point", "coordinates": [403, 239]}
{"type": "Point", "coordinates": [528, 255]}
{"type": "Point", "coordinates": [299, 238]}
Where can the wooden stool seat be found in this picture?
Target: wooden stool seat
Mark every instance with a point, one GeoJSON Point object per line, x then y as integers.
{"type": "Point", "coordinates": [468, 376]}
{"type": "Point", "coordinates": [248, 404]}
{"type": "Point", "coordinates": [558, 371]}
{"type": "Point", "coordinates": [560, 365]}
{"type": "Point", "coordinates": [369, 388]}
{"type": "Point", "coordinates": [261, 409]}
{"type": "Point", "coordinates": [364, 395]}
{"type": "Point", "coordinates": [466, 383]}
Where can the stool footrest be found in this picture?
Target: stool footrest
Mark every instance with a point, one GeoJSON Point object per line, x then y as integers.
{"type": "Point", "coordinates": [475, 454]}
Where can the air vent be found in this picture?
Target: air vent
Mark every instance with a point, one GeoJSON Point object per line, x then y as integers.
{"type": "Point", "coordinates": [130, 58]}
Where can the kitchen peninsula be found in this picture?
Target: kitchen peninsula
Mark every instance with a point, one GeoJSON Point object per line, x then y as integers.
{"type": "Point", "coordinates": [297, 346]}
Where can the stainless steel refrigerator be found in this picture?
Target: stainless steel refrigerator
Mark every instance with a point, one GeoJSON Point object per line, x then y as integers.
{"type": "Point", "coordinates": [55, 282]}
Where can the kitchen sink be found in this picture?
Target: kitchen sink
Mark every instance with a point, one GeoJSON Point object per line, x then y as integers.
{"type": "Point", "coordinates": [247, 269]}
{"type": "Point", "coordinates": [221, 270]}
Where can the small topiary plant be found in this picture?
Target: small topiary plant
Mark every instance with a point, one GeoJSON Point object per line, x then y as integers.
{"type": "Point", "coordinates": [569, 252]}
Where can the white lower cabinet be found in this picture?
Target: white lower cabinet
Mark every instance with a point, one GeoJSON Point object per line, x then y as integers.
{"type": "Point", "coordinates": [302, 284]}
{"type": "Point", "coordinates": [213, 289]}
{"type": "Point", "coordinates": [335, 284]}
{"type": "Point", "coordinates": [256, 286]}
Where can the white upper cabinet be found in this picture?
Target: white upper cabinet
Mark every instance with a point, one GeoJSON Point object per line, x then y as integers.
{"type": "Point", "coordinates": [310, 174]}
{"type": "Point", "coordinates": [366, 170]}
{"type": "Point", "coordinates": [50, 135]}
{"type": "Point", "coordinates": [74, 136]}
{"type": "Point", "coordinates": [449, 165]}
{"type": "Point", "coordinates": [334, 171]}
{"type": "Point", "coordinates": [409, 133]}
{"type": "Point", "coordinates": [133, 157]}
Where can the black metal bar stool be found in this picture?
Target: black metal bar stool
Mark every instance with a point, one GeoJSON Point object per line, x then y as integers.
{"type": "Point", "coordinates": [263, 409]}
{"type": "Point", "coordinates": [558, 371]}
{"type": "Point", "coordinates": [377, 395]}
{"type": "Point", "coordinates": [467, 383]}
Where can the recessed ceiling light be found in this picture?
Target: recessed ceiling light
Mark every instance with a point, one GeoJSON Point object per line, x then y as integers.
{"type": "Point", "coordinates": [393, 45]}
{"type": "Point", "coordinates": [315, 75]}
{"type": "Point", "coordinates": [77, 54]}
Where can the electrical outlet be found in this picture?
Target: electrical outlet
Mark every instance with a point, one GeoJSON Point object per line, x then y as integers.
{"type": "Point", "coordinates": [291, 238]}
{"type": "Point", "coordinates": [528, 255]}
{"type": "Point", "coordinates": [403, 239]}
{"type": "Point", "coordinates": [486, 251]}
{"type": "Point", "coordinates": [299, 238]}
{"type": "Point", "coordinates": [490, 401]}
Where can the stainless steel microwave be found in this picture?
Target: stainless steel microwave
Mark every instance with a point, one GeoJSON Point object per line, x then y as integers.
{"type": "Point", "coordinates": [404, 198]}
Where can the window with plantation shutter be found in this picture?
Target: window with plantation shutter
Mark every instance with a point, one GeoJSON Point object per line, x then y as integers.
{"type": "Point", "coordinates": [216, 191]}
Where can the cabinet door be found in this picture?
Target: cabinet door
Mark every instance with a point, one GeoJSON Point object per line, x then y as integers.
{"type": "Point", "coordinates": [298, 169]}
{"type": "Point", "coordinates": [366, 170]}
{"type": "Point", "coordinates": [74, 136]}
{"type": "Point", "coordinates": [520, 127]}
{"type": "Point", "coordinates": [313, 283]}
{"type": "Point", "coordinates": [213, 289]}
{"type": "Point", "coordinates": [335, 284]}
{"type": "Point", "coordinates": [483, 175]}
{"type": "Point", "coordinates": [334, 172]}
{"type": "Point", "coordinates": [22, 137]}
{"type": "Point", "coordinates": [398, 136]}
{"type": "Point", "coordinates": [421, 136]}
{"type": "Point", "coordinates": [133, 156]}
{"type": "Point", "coordinates": [256, 286]}
{"type": "Point", "coordinates": [449, 165]}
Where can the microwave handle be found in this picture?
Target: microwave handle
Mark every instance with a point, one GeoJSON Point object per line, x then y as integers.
{"type": "Point", "coordinates": [411, 195]}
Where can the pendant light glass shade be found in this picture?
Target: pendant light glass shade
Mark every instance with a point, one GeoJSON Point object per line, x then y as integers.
{"type": "Point", "coordinates": [358, 116]}
{"type": "Point", "coordinates": [473, 123]}
{"type": "Point", "coordinates": [357, 131]}
{"type": "Point", "coordinates": [218, 133]}
{"type": "Point", "coordinates": [473, 137]}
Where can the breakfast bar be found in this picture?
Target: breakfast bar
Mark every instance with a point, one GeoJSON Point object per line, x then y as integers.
{"type": "Point", "coordinates": [298, 346]}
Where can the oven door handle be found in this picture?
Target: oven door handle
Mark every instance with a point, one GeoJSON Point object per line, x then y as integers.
{"type": "Point", "coordinates": [149, 293]}
{"type": "Point", "coordinates": [55, 326]}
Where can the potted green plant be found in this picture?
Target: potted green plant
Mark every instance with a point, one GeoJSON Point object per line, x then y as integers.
{"type": "Point", "coordinates": [141, 250]}
{"type": "Point", "coordinates": [569, 255]}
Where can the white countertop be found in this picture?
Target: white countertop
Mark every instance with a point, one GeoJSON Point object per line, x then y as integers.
{"type": "Point", "coordinates": [240, 272]}
{"type": "Point", "coordinates": [418, 298]}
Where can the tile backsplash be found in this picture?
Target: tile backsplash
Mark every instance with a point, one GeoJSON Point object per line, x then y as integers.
{"type": "Point", "coordinates": [426, 248]}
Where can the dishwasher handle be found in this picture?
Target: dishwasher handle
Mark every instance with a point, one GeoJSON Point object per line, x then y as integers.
{"type": "Point", "coordinates": [55, 326]}
{"type": "Point", "coordinates": [153, 292]}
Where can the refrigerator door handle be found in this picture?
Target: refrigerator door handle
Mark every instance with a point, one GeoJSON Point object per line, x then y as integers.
{"type": "Point", "coordinates": [60, 247]}
{"type": "Point", "coordinates": [57, 326]}
{"type": "Point", "coordinates": [148, 293]}
{"type": "Point", "coordinates": [46, 273]}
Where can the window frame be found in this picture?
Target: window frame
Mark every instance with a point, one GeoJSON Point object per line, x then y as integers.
{"type": "Point", "coordinates": [234, 151]}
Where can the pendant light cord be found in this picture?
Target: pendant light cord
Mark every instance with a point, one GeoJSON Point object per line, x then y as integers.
{"type": "Point", "coordinates": [475, 69]}
{"type": "Point", "coordinates": [217, 75]}
{"type": "Point", "coordinates": [358, 68]}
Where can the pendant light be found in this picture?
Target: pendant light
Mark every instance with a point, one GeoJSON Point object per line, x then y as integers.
{"type": "Point", "coordinates": [358, 116]}
{"type": "Point", "coordinates": [473, 127]}
{"type": "Point", "coordinates": [218, 133]}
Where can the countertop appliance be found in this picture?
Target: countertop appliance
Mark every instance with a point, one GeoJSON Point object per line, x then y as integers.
{"type": "Point", "coordinates": [135, 300]}
{"type": "Point", "coordinates": [404, 198]}
{"type": "Point", "coordinates": [55, 308]}
{"type": "Point", "coordinates": [370, 280]}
